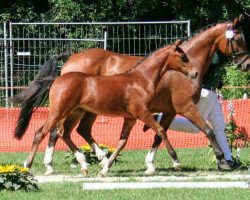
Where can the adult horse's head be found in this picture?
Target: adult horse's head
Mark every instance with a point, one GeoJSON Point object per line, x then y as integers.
{"type": "Point", "coordinates": [236, 41]}
{"type": "Point", "coordinates": [178, 61]}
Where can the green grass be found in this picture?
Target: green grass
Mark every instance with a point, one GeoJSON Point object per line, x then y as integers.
{"type": "Point", "coordinates": [73, 191]}
{"type": "Point", "coordinates": [195, 162]}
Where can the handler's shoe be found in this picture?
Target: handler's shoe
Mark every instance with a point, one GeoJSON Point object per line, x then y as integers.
{"type": "Point", "coordinates": [233, 164]}
{"type": "Point", "coordinates": [224, 166]}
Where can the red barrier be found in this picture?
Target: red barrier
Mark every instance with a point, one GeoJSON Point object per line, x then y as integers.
{"type": "Point", "coordinates": [106, 130]}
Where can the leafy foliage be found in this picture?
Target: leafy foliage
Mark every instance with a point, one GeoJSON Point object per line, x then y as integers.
{"type": "Point", "coordinates": [13, 177]}
{"type": "Point", "coordinates": [237, 136]}
{"type": "Point", "coordinates": [234, 77]}
{"type": "Point", "coordinates": [201, 13]}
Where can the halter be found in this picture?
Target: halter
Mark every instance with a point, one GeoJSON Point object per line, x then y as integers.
{"type": "Point", "coordinates": [230, 37]}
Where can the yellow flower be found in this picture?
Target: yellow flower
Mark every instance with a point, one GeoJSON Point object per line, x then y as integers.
{"type": "Point", "coordinates": [86, 147]}
{"type": "Point", "coordinates": [12, 168]}
{"type": "Point", "coordinates": [7, 169]}
{"type": "Point", "coordinates": [111, 149]}
{"type": "Point", "coordinates": [103, 146]}
{"type": "Point", "coordinates": [22, 169]}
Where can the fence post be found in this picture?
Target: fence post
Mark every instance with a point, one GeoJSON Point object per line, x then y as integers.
{"type": "Point", "coordinates": [6, 65]}
{"type": "Point", "coordinates": [245, 96]}
{"type": "Point", "coordinates": [11, 63]}
{"type": "Point", "coordinates": [105, 40]}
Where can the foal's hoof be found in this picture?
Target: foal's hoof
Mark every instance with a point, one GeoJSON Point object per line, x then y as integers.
{"type": "Point", "coordinates": [49, 172]}
{"type": "Point", "coordinates": [85, 172]}
{"type": "Point", "coordinates": [104, 163]}
{"type": "Point", "coordinates": [150, 172]}
{"type": "Point", "coordinates": [177, 166]}
{"type": "Point", "coordinates": [102, 174]}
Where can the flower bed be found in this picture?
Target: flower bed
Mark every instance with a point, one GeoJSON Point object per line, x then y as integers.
{"type": "Point", "coordinates": [13, 177]}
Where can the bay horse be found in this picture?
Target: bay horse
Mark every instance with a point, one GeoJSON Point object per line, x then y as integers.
{"type": "Point", "coordinates": [129, 95]}
{"type": "Point", "coordinates": [199, 49]}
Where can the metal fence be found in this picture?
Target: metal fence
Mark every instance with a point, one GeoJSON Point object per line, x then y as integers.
{"type": "Point", "coordinates": [26, 46]}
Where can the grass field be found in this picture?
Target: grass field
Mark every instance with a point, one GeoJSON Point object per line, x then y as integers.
{"type": "Point", "coordinates": [197, 162]}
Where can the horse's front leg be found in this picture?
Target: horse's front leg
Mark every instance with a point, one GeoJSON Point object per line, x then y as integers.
{"type": "Point", "coordinates": [195, 117]}
{"type": "Point", "coordinates": [165, 121]}
{"type": "Point", "coordinates": [126, 129]}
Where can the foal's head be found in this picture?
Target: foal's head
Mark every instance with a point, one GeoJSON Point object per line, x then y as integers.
{"type": "Point", "coordinates": [236, 41]}
{"type": "Point", "coordinates": [178, 61]}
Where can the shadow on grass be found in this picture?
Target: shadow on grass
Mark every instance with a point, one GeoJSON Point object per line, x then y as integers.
{"type": "Point", "coordinates": [185, 171]}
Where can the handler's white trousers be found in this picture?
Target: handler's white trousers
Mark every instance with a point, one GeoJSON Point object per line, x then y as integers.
{"type": "Point", "coordinates": [211, 111]}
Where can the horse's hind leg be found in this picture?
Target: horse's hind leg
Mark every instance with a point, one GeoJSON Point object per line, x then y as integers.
{"type": "Point", "coordinates": [68, 125]}
{"type": "Point", "coordinates": [84, 129]}
{"type": "Point", "coordinates": [126, 129]}
{"type": "Point", "coordinates": [165, 121]}
{"type": "Point", "coordinates": [50, 124]}
{"type": "Point", "coordinates": [49, 152]}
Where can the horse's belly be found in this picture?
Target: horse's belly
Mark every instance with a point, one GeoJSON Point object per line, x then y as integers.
{"type": "Point", "coordinates": [107, 111]}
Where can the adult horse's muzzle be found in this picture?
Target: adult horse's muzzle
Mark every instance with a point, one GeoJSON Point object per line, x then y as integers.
{"type": "Point", "coordinates": [244, 63]}
{"type": "Point", "coordinates": [192, 74]}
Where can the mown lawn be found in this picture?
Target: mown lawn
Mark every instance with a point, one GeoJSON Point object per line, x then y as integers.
{"type": "Point", "coordinates": [195, 162]}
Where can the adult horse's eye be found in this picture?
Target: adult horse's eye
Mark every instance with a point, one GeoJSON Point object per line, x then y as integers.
{"type": "Point", "coordinates": [184, 58]}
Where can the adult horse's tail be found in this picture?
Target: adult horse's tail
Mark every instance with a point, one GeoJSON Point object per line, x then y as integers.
{"type": "Point", "coordinates": [36, 93]}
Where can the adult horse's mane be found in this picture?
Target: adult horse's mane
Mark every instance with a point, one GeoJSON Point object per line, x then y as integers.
{"type": "Point", "coordinates": [246, 30]}
{"type": "Point", "coordinates": [202, 30]}
{"type": "Point", "coordinates": [245, 25]}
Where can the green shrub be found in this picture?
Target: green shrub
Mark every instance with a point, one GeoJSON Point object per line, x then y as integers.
{"type": "Point", "coordinates": [235, 77]}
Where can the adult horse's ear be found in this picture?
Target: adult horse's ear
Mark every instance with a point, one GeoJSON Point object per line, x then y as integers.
{"type": "Point", "coordinates": [177, 43]}
{"type": "Point", "coordinates": [238, 20]}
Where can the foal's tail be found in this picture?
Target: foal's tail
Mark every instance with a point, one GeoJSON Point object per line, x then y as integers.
{"type": "Point", "coordinates": [36, 93]}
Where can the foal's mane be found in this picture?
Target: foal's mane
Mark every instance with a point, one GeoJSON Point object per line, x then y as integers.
{"type": "Point", "coordinates": [142, 60]}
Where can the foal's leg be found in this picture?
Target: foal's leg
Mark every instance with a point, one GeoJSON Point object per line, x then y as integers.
{"type": "Point", "coordinates": [165, 120]}
{"type": "Point", "coordinates": [146, 117]}
{"type": "Point", "coordinates": [49, 152]}
{"type": "Point", "coordinates": [69, 124]}
{"type": "Point", "coordinates": [84, 129]}
{"type": "Point", "coordinates": [126, 129]}
{"type": "Point", "coordinates": [50, 124]}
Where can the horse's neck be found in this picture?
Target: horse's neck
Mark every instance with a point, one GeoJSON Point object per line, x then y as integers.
{"type": "Point", "coordinates": [150, 69]}
{"type": "Point", "coordinates": [201, 48]}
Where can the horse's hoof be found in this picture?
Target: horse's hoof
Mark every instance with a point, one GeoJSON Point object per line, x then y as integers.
{"type": "Point", "coordinates": [26, 164]}
{"type": "Point", "coordinates": [85, 172]}
{"type": "Point", "coordinates": [104, 162]}
{"type": "Point", "coordinates": [102, 175]}
{"type": "Point", "coordinates": [177, 166]}
{"type": "Point", "coordinates": [49, 172]}
{"type": "Point", "coordinates": [149, 172]}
